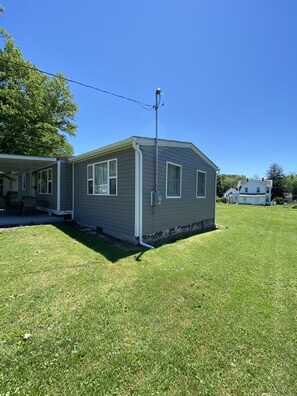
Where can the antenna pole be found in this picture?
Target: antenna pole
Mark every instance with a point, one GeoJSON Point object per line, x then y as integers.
{"type": "Point", "coordinates": [158, 92]}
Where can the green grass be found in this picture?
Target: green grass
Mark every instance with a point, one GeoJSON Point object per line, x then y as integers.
{"type": "Point", "coordinates": [212, 314]}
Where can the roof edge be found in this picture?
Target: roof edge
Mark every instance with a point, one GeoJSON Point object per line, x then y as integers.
{"type": "Point", "coordinates": [103, 150]}
{"type": "Point", "coordinates": [144, 141]}
{"type": "Point", "coordinates": [27, 157]}
{"type": "Point", "coordinates": [176, 143]}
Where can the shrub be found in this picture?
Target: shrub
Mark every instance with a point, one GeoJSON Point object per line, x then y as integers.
{"type": "Point", "coordinates": [222, 199]}
{"type": "Point", "coordinates": [279, 200]}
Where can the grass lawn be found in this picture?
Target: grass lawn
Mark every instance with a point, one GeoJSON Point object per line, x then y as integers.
{"type": "Point", "coordinates": [213, 314]}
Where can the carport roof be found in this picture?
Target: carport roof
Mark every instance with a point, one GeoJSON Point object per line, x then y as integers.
{"type": "Point", "coordinates": [23, 163]}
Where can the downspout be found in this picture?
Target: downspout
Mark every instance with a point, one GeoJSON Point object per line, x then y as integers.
{"type": "Point", "coordinates": [72, 213]}
{"type": "Point", "coordinates": [58, 185]}
{"type": "Point", "coordinates": [215, 211]}
{"type": "Point", "coordinates": [138, 195]}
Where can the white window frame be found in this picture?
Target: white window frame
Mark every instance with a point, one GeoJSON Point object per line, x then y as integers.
{"type": "Point", "coordinates": [180, 182]}
{"type": "Point", "coordinates": [49, 181]}
{"type": "Point", "coordinates": [201, 196]}
{"type": "Point", "coordinates": [24, 182]}
{"type": "Point", "coordinates": [108, 178]}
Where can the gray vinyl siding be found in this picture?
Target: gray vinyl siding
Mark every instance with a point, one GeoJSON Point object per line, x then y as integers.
{"type": "Point", "coordinates": [114, 214]}
{"type": "Point", "coordinates": [176, 212]}
{"type": "Point", "coordinates": [66, 186]}
{"type": "Point", "coordinates": [48, 201]}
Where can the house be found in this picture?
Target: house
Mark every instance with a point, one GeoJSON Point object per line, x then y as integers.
{"type": "Point", "coordinates": [231, 195]}
{"type": "Point", "coordinates": [138, 189]}
{"type": "Point", "coordinates": [254, 192]}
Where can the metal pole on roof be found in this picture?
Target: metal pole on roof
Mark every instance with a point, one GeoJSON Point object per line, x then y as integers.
{"type": "Point", "coordinates": [158, 93]}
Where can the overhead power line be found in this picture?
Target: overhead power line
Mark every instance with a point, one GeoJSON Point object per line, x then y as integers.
{"type": "Point", "coordinates": [142, 104]}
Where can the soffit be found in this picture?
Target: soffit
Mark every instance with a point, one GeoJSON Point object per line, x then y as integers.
{"type": "Point", "coordinates": [19, 164]}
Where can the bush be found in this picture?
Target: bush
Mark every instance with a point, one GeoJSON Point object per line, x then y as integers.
{"type": "Point", "coordinates": [222, 199]}
{"type": "Point", "coordinates": [279, 200]}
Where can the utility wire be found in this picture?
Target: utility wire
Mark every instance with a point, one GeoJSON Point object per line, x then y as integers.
{"type": "Point", "coordinates": [142, 104]}
{"type": "Point", "coordinates": [33, 140]}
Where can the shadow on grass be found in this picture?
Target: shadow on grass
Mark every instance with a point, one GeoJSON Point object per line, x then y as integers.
{"type": "Point", "coordinates": [113, 250]}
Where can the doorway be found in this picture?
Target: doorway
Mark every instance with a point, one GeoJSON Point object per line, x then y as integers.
{"type": "Point", "coordinates": [33, 184]}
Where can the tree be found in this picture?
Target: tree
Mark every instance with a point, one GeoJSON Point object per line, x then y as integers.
{"type": "Point", "coordinates": [224, 182]}
{"type": "Point", "coordinates": [276, 174]}
{"type": "Point", "coordinates": [290, 185]}
{"type": "Point", "coordinates": [36, 111]}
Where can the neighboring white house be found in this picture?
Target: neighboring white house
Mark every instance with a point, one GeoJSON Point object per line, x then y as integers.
{"type": "Point", "coordinates": [231, 195]}
{"type": "Point", "coordinates": [254, 192]}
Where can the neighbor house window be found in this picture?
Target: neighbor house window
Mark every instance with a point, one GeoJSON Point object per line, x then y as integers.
{"type": "Point", "coordinates": [246, 189]}
{"type": "Point", "coordinates": [102, 178]}
{"type": "Point", "coordinates": [23, 182]}
{"type": "Point", "coordinates": [201, 184]}
{"type": "Point", "coordinates": [173, 180]}
{"type": "Point", "coordinates": [267, 190]}
{"type": "Point", "coordinates": [45, 182]}
{"type": "Point", "coordinates": [258, 189]}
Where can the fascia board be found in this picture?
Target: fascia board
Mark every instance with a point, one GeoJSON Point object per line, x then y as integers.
{"type": "Point", "coordinates": [103, 150]}
{"type": "Point", "coordinates": [143, 142]}
{"type": "Point", "coordinates": [174, 143]}
{"type": "Point", "coordinates": [27, 158]}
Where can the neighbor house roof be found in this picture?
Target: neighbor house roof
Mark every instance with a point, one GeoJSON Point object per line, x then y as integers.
{"type": "Point", "coordinates": [144, 141]}
{"type": "Point", "coordinates": [231, 190]}
{"type": "Point", "coordinates": [266, 183]}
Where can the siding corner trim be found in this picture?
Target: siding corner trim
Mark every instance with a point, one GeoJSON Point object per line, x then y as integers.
{"type": "Point", "coordinates": [138, 195]}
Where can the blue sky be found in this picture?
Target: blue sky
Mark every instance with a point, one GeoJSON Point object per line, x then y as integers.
{"type": "Point", "coordinates": [228, 70]}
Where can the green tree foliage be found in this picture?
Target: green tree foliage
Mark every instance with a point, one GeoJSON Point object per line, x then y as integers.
{"type": "Point", "coordinates": [276, 174]}
{"type": "Point", "coordinates": [224, 182]}
{"type": "Point", "coordinates": [36, 111]}
{"type": "Point", "coordinates": [290, 185]}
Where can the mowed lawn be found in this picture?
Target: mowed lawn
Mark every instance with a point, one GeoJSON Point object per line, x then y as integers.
{"type": "Point", "coordinates": [212, 314]}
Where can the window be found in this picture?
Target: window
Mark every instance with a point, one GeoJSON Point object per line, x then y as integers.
{"type": "Point", "coordinates": [201, 185]}
{"type": "Point", "coordinates": [267, 190]}
{"type": "Point", "coordinates": [258, 189]}
{"type": "Point", "coordinates": [246, 189]}
{"type": "Point", "coordinates": [45, 182]}
{"type": "Point", "coordinates": [23, 182]}
{"type": "Point", "coordinates": [102, 178]}
{"type": "Point", "coordinates": [173, 180]}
